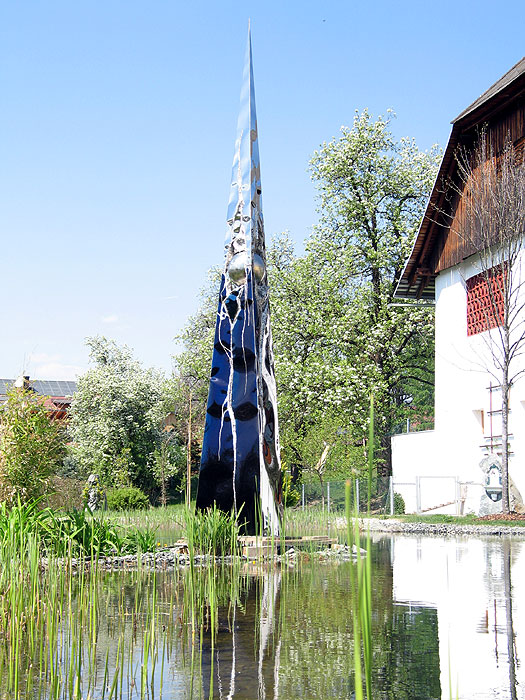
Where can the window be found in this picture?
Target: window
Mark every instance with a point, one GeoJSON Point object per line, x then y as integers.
{"type": "Point", "coordinates": [485, 300]}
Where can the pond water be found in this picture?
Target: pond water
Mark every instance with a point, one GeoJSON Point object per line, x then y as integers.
{"type": "Point", "coordinates": [446, 622]}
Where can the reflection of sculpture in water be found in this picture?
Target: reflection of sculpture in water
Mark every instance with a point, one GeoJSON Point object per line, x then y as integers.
{"type": "Point", "coordinates": [233, 666]}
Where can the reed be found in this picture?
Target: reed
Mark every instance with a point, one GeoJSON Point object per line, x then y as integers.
{"type": "Point", "coordinates": [212, 531]}
{"type": "Point", "coordinates": [361, 581]}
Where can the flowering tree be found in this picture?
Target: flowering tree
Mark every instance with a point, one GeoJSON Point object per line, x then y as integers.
{"type": "Point", "coordinates": [339, 334]}
{"type": "Point", "coordinates": [116, 416]}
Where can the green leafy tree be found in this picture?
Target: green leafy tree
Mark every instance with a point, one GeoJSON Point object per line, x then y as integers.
{"type": "Point", "coordinates": [32, 446]}
{"type": "Point", "coordinates": [189, 386]}
{"type": "Point", "coordinates": [116, 416]}
{"type": "Point", "coordinates": [372, 191]}
{"type": "Point", "coordinates": [169, 462]}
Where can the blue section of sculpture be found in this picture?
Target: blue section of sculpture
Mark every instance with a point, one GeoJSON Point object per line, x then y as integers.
{"type": "Point", "coordinates": [240, 464]}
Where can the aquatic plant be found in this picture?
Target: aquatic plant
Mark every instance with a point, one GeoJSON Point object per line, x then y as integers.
{"type": "Point", "coordinates": [212, 531]}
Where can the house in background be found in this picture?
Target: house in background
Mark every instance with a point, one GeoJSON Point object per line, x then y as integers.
{"type": "Point", "coordinates": [441, 470]}
{"type": "Point", "coordinates": [58, 394]}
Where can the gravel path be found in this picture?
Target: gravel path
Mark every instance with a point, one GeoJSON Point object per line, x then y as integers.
{"type": "Point", "coordinates": [441, 529]}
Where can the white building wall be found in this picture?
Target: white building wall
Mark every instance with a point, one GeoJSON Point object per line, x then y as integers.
{"type": "Point", "coordinates": [462, 405]}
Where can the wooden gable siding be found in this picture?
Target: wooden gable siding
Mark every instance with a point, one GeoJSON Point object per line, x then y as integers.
{"type": "Point", "coordinates": [451, 247]}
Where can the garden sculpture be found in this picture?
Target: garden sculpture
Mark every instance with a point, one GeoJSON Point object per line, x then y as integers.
{"type": "Point", "coordinates": [96, 497]}
{"type": "Point", "coordinates": [240, 464]}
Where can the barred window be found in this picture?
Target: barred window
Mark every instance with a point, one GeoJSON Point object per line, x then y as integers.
{"type": "Point", "coordinates": [486, 300]}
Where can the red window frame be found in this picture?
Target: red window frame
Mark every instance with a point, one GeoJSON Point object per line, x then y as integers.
{"type": "Point", "coordinates": [486, 300]}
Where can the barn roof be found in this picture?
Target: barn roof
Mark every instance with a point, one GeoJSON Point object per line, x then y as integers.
{"type": "Point", "coordinates": [418, 278]}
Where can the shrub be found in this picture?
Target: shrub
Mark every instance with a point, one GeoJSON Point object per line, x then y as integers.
{"type": "Point", "coordinates": [144, 540]}
{"type": "Point", "coordinates": [65, 493]}
{"type": "Point", "coordinates": [291, 495]}
{"type": "Point", "coordinates": [31, 447]}
{"type": "Point", "coordinates": [127, 498]}
{"type": "Point", "coordinates": [399, 504]}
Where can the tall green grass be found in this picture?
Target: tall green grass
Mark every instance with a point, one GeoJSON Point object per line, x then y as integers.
{"type": "Point", "coordinates": [361, 581]}
{"type": "Point", "coordinates": [212, 531]}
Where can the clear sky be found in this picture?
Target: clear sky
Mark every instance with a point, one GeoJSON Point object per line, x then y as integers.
{"type": "Point", "coordinates": [117, 126]}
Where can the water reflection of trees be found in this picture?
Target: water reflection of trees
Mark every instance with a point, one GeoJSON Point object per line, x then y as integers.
{"type": "Point", "coordinates": [279, 633]}
{"type": "Point", "coordinates": [511, 639]}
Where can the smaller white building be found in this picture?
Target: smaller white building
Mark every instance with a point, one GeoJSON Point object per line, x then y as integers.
{"type": "Point", "coordinates": [454, 468]}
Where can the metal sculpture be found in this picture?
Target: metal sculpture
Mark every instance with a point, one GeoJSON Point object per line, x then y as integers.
{"type": "Point", "coordinates": [240, 464]}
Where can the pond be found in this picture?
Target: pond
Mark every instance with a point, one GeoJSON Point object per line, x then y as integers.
{"type": "Point", "coordinates": [445, 620]}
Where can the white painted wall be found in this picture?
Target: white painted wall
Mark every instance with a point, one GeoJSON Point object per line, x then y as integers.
{"type": "Point", "coordinates": [456, 446]}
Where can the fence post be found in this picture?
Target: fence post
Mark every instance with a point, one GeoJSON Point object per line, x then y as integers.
{"type": "Point", "coordinates": [391, 478]}
{"type": "Point", "coordinates": [328, 494]}
{"type": "Point", "coordinates": [418, 495]}
{"type": "Point", "coordinates": [302, 497]}
{"type": "Point", "coordinates": [357, 495]}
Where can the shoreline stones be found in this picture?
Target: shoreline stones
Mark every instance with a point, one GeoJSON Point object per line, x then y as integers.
{"type": "Point", "coordinates": [167, 558]}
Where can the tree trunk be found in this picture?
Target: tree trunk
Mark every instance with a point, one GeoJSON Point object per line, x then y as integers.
{"type": "Point", "coordinates": [505, 500]}
{"type": "Point", "coordinates": [188, 458]}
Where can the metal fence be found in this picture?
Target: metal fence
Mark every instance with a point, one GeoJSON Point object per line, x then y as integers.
{"type": "Point", "coordinates": [331, 495]}
{"type": "Point", "coordinates": [431, 493]}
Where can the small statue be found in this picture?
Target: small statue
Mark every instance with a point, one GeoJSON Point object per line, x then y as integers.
{"type": "Point", "coordinates": [95, 496]}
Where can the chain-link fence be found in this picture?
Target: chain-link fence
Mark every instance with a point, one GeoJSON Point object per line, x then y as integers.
{"type": "Point", "coordinates": [331, 495]}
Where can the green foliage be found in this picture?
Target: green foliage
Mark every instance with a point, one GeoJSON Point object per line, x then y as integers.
{"type": "Point", "coordinates": [338, 335]}
{"type": "Point", "coordinates": [31, 447]}
{"type": "Point", "coordinates": [75, 532]}
{"type": "Point", "coordinates": [127, 498]}
{"type": "Point", "coordinates": [169, 462]}
{"type": "Point", "coordinates": [116, 415]}
{"type": "Point", "coordinates": [291, 495]}
{"type": "Point", "coordinates": [81, 532]}
{"type": "Point", "coordinates": [212, 531]}
{"type": "Point", "coordinates": [399, 504]}
{"type": "Point", "coordinates": [196, 338]}
{"type": "Point", "coordinates": [143, 540]}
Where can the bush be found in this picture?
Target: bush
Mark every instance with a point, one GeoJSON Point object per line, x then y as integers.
{"type": "Point", "coordinates": [127, 498]}
{"type": "Point", "coordinates": [399, 504]}
{"type": "Point", "coordinates": [65, 493]}
{"type": "Point", "coordinates": [291, 495]}
{"type": "Point", "coordinates": [31, 447]}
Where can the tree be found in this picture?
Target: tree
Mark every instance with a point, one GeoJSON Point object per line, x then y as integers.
{"type": "Point", "coordinates": [168, 461]}
{"type": "Point", "coordinates": [492, 188]}
{"type": "Point", "coordinates": [32, 446]}
{"type": "Point", "coordinates": [192, 373]}
{"type": "Point", "coordinates": [372, 191]}
{"type": "Point", "coordinates": [116, 415]}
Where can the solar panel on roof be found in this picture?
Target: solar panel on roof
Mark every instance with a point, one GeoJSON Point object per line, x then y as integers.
{"type": "Point", "coordinates": [44, 387]}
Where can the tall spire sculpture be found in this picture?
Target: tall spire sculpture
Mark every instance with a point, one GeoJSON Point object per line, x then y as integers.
{"type": "Point", "coordinates": [240, 465]}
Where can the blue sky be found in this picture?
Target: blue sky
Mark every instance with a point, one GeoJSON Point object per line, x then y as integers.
{"type": "Point", "coordinates": [117, 126]}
